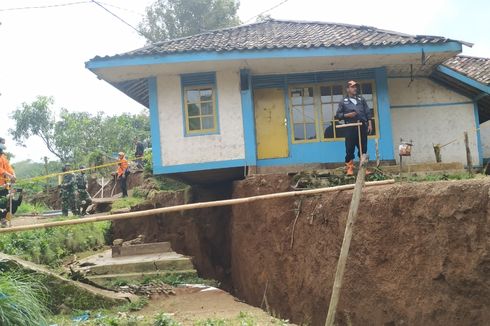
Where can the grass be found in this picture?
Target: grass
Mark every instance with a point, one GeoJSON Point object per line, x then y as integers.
{"type": "Point", "coordinates": [50, 246]}
{"type": "Point", "coordinates": [173, 279]}
{"type": "Point", "coordinates": [439, 177]}
{"type": "Point", "coordinates": [243, 319]}
{"type": "Point", "coordinates": [127, 202]}
{"type": "Point", "coordinates": [22, 301]}
{"type": "Point", "coordinates": [28, 208]}
{"type": "Point", "coordinates": [164, 320]}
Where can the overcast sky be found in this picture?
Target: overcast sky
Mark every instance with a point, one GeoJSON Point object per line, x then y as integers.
{"type": "Point", "coordinates": [43, 51]}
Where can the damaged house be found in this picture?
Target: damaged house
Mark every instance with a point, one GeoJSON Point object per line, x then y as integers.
{"type": "Point", "coordinates": [263, 96]}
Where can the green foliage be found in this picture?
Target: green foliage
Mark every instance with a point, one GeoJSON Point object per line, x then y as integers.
{"type": "Point", "coordinates": [78, 137]}
{"type": "Point", "coordinates": [126, 202]}
{"type": "Point", "coordinates": [50, 246]}
{"type": "Point", "coordinates": [169, 19]}
{"type": "Point", "coordinates": [165, 320]}
{"type": "Point", "coordinates": [179, 278]}
{"type": "Point", "coordinates": [136, 305]}
{"type": "Point", "coordinates": [22, 300]}
{"type": "Point", "coordinates": [148, 162]}
{"type": "Point", "coordinates": [439, 177]}
{"type": "Point", "coordinates": [28, 208]}
{"type": "Point", "coordinates": [212, 322]}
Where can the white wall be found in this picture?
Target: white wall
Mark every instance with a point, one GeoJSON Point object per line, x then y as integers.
{"type": "Point", "coordinates": [178, 149]}
{"type": "Point", "coordinates": [428, 125]}
{"type": "Point", "coordinates": [485, 138]}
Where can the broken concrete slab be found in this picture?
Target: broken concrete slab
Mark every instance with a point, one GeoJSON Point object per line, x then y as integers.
{"type": "Point", "coordinates": [141, 249]}
{"type": "Point", "coordinates": [104, 263]}
{"type": "Point", "coordinates": [72, 294]}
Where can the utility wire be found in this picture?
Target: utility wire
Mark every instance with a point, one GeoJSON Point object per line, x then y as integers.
{"type": "Point", "coordinates": [266, 11]}
{"type": "Point", "coordinates": [121, 8]}
{"type": "Point", "coordinates": [45, 6]}
{"type": "Point", "coordinates": [122, 20]}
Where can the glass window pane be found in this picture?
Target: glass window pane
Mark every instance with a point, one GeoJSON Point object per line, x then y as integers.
{"type": "Point", "coordinates": [207, 108]}
{"type": "Point", "coordinates": [309, 112]}
{"type": "Point", "coordinates": [310, 131]}
{"type": "Point", "coordinates": [308, 92]}
{"type": "Point", "coordinates": [326, 99]}
{"type": "Point", "coordinates": [337, 90]}
{"type": "Point", "coordinates": [373, 123]}
{"type": "Point", "coordinates": [193, 96]}
{"type": "Point", "coordinates": [337, 98]}
{"type": "Point", "coordinates": [368, 97]}
{"type": "Point", "coordinates": [206, 94]}
{"type": "Point", "coordinates": [366, 88]}
{"type": "Point", "coordinates": [193, 109]}
{"type": "Point", "coordinates": [194, 124]}
{"type": "Point", "coordinates": [208, 123]}
{"type": "Point", "coordinates": [297, 100]}
{"type": "Point", "coordinates": [307, 100]}
{"type": "Point", "coordinates": [299, 132]}
{"type": "Point", "coordinates": [328, 130]}
{"type": "Point", "coordinates": [369, 104]}
{"type": "Point", "coordinates": [340, 133]}
{"type": "Point", "coordinates": [325, 91]}
{"type": "Point", "coordinates": [298, 114]}
{"type": "Point", "coordinates": [327, 112]}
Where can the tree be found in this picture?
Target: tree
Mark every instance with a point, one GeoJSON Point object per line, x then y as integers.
{"type": "Point", "coordinates": [169, 19]}
{"type": "Point", "coordinates": [78, 137]}
{"type": "Point", "coordinates": [36, 119]}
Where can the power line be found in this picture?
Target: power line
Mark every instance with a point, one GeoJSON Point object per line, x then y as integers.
{"type": "Point", "coordinates": [45, 6]}
{"type": "Point", "coordinates": [122, 20]}
{"type": "Point", "coordinates": [121, 8]}
{"type": "Point", "coordinates": [266, 11]}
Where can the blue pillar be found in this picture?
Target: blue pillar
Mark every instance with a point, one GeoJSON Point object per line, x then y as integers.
{"type": "Point", "coordinates": [248, 118]}
{"type": "Point", "coordinates": [384, 114]}
{"type": "Point", "coordinates": [478, 137]}
{"type": "Point", "coordinates": [155, 125]}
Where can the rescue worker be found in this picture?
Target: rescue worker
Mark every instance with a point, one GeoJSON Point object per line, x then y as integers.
{"type": "Point", "coordinates": [122, 173]}
{"type": "Point", "coordinates": [68, 192]}
{"type": "Point", "coordinates": [353, 108]}
{"type": "Point", "coordinates": [138, 153]}
{"type": "Point", "coordinates": [83, 197]}
{"type": "Point", "coordinates": [7, 177]}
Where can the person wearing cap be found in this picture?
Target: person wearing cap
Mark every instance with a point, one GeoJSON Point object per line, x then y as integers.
{"type": "Point", "coordinates": [122, 173]}
{"type": "Point", "coordinates": [353, 108]}
{"type": "Point", "coordinates": [68, 191]}
{"type": "Point", "coordinates": [7, 173]}
{"type": "Point", "coordinates": [83, 197]}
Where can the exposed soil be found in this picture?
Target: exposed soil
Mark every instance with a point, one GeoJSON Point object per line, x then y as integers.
{"type": "Point", "coordinates": [419, 254]}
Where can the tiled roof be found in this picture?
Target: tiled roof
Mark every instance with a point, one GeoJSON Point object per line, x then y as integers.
{"type": "Point", "coordinates": [278, 34]}
{"type": "Point", "coordinates": [473, 67]}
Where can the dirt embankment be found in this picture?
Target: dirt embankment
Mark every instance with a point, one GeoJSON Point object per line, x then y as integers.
{"type": "Point", "coordinates": [419, 254]}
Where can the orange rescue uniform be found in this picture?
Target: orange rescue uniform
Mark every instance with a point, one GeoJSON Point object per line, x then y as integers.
{"type": "Point", "coordinates": [123, 165]}
{"type": "Point", "coordinates": [5, 167]}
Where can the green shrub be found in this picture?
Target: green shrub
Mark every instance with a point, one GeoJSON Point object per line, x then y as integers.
{"type": "Point", "coordinates": [164, 320]}
{"type": "Point", "coordinates": [126, 202]}
{"type": "Point", "coordinates": [22, 301]}
{"type": "Point", "coordinates": [28, 208]}
{"type": "Point", "coordinates": [50, 246]}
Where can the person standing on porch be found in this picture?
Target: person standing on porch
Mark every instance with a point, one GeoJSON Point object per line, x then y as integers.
{"type": "Point", "coordinates": [353, 108]}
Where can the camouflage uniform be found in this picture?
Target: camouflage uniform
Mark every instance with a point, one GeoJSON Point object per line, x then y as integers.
{"type": "Point", "coordinates": [83, 198]}
{"type": "Point", "coordinates": [68, 193]}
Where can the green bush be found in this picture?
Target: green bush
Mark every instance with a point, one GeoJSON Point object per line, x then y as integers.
{"type": "Point", "coordinates": [50, 246]}
{"type": "Point", "coordinates": [22, 301]}
{"type": "Point", "coordinates": [28, 208]}
{"type": "Point", "coordinates": [126, 202]}
{"type": "Point", "coordinates": [164, 320]}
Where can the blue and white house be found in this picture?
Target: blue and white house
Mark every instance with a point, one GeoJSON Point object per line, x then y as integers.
{"type": "Point", "coordinates": [263, 96]}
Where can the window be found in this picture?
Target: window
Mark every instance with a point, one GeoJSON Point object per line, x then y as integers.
{"type": "Point", "coordinates": [200, 109]}
{"type": "Point", "coordinates": [303, 114]}
{"type": "Point", "coordinates": [313, 110]}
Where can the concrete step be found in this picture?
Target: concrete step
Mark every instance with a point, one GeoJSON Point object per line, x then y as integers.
{"type": "Point", "coordinates": [141, 249]}
{"type": "Point", "coordinates": [104, 263]}
{"type": "Point", "coordinates": [139, 276]}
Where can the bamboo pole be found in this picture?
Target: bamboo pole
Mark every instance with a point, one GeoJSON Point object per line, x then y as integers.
{"type": "Point", "coordinates": [185, 207]}
{"type": "Point", "coordinates": [344, 251]}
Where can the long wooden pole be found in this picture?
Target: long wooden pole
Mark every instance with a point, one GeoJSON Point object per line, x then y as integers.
{"type": "Point", "coordinates": [185, 207]}
{"type": "Point", "coordinates": [468, 153]}
{"type": "Point", "coordinates": [344, 251]}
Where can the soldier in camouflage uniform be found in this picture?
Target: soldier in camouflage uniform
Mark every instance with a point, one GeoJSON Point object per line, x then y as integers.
{"type": "Point", "coordinates": [83, 197]}
{"type": "Point", "coordinates": [68, 192]}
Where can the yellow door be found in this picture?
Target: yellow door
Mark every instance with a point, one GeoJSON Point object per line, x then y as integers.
{"type": "Point", "coordinates": [270, 123]}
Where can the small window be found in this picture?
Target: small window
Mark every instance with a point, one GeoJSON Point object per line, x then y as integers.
{"type": "Point", "coordinates": [200, 109]}
{"type": "Point", "coordinates": [303, 114]}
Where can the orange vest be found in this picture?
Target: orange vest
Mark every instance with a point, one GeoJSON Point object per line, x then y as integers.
{"type": "Point", "coordinates": [123, 165]}
{"type": "Point", "coordinates": [5, 167]}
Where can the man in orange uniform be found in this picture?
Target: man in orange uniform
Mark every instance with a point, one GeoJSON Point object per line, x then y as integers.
{"type": "Point", "coordinates": [7, 175]}
{"type": "Point", "coordinates": [122, 173]}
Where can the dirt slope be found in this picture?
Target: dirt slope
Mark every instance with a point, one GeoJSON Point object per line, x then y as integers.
{"type": "Point", "coordinates": [419, 256]}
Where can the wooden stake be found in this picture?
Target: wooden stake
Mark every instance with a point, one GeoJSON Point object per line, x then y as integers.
{"type": "Point", "coordinates": [468, 153]}
{"type": "Point", "coordinates": [376, 144]}
{"type": "Point", "coordinates": [185, 207]}
{"type": "Point", "coordinates": [344, 251]}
